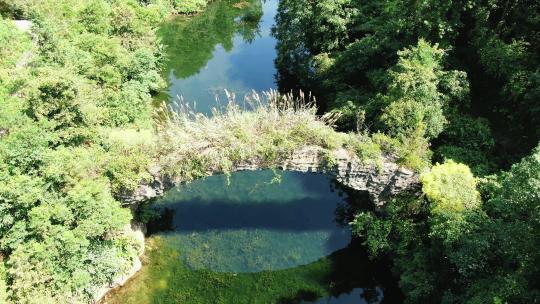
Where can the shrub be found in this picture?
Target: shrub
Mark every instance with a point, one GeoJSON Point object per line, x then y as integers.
{"type": "Point", "coordinates": [451, 191]}
{"type": "Point", "coordinates": [189, 6]}
{"type": "Point", "coordinates": [414, 100]}
{"type": "Point", "coordinates": [450, 187]}
{"type": "Point", "coordinates": [14, 43]}
{"type": "Point", "coordinates": [95, 17]}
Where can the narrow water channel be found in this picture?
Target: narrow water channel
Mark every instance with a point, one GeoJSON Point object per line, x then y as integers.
{"type": "Point", "coordinates": [227, 47]}
{"type": "Point", "coordinates": [255, 237]}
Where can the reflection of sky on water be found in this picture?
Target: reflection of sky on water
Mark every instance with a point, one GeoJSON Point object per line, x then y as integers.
{"type": "Point", "coordinates": [355, 296]}
{"type": "Point", "coordinates": [247, 66]}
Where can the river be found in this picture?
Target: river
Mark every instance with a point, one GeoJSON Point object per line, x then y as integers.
{"type": "Point", "coordinates": [252, 237]}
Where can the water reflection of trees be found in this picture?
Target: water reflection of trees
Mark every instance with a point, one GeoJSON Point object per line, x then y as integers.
{"type": "Point", "coordinates": [190, 41]}
{"type": "Point", "coordinates": [291, 31]}
{"type": "Point", "coordinates": [353, 278]}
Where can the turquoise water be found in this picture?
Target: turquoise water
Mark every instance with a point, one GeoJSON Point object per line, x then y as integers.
{"type": "Point", "coordinates": [248, 224]}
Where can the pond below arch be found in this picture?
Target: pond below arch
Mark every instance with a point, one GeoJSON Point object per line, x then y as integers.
{"type": "Point", "coordinates": [253, 237]}
{"type": "Point", "coordinates": [252, 222]}
{"type": "Point", "coordinates": [257, 237]}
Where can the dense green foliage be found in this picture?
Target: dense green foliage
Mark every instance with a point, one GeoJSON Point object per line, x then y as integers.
{"type": "Point", "coordinates": [461, 78]}
{"type": "Point", "coordinates": [447, 247]}
{"type": "Point", "coordinates": [14, 45]}
{"type": "Point", "coordinates": [348, 53]}
{"type": "Point", "coordinates": [94, 67]}
{"type": "Point", "coordinates": [454, 82]}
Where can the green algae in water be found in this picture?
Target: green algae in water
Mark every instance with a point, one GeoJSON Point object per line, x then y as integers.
{"type": "Point", "coordinates": [248, 224]}
{"type": "Point", "coordinates": [165, 280]}
{"type": "Point", "coordinates": [333, 279]}
{"type": "Point", "coordinates": [225, 249]}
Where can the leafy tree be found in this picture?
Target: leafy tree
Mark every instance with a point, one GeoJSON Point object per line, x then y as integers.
{"type": "Point", "coordinates": [468, 140]}
{"type": "Point", "coordinates": [503, 55]}
{"type": "Point", "coordinates": [95, 17]}
{"type": "Point", "coordinates": [508, 271]}
{"type": "Point", "coordinates": [414, 98]}
{"type": "Point", "coordinates": [3, 284]}
{"type": "Point", "coordinates": [190, 6]}
{"type": "Point", "coordinates": [13, 44]}
{"type": "Point", "coordinates": [60, 239]}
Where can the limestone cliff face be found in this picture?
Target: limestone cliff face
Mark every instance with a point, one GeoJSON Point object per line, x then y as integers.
{"type": "Point", "coordinates": [381, 179]}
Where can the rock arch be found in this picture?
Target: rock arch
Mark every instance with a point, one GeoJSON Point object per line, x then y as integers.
{"type": "Point", "coordinates": [381, 179]}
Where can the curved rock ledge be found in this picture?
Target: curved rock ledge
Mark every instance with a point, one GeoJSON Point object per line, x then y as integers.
{"type": "Point", "coordinates": [381, 179]}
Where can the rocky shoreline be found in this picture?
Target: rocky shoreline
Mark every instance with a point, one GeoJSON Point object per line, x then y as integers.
{"type": "Point", "coordinates": [138, 231]}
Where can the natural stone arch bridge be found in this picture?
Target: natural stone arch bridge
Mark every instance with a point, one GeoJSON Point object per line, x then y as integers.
{"type": "Point", "coordinates": [381, 180]}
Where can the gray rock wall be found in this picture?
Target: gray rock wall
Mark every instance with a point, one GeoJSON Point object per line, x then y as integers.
{"type": "Point", "coordinates": [381, 179]}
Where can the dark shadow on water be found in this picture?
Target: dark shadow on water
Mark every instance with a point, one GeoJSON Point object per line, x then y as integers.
{"type": "Point", "coordinates": [298, 216]}
{"type": "Point", "coordinates": [301, 202]}
{"type": "Point", "coordinates": [274, 226]}
{"type": "Point", "coordinates": [202, 215]}
{"type": "Point", "coordinates": [305, 204]}
{"type": "Point", "coordinates": [354, 279]}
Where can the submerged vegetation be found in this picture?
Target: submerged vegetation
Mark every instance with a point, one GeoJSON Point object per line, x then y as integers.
{"type": "Point", "coordinates": [455, 84]}
{"type": "Point", "coordinates": [308, 282]}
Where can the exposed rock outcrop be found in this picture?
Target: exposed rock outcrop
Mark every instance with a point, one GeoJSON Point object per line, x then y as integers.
{"type": "Point", "coordinates": [381, 179]}
{"type": "Point", "coordinates": [26, 27]}
{"type": "Point", "coordinates": [23, 25]}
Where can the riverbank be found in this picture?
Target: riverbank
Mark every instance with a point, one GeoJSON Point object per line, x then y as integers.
{"type": "Point", "coordinates": [136, 231]}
